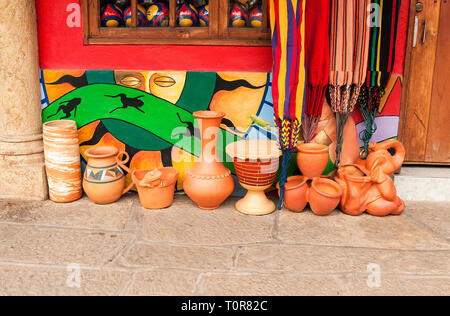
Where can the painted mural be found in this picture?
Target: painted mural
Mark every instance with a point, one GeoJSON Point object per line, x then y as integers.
{"type": "Point", "coordinates": [149, 113]}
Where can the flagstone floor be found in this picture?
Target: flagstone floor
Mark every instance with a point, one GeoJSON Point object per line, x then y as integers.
{"type": "Point", "coordinates": [121, 249]}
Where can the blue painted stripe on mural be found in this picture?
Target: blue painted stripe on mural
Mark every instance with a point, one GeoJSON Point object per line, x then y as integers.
{"type": "Point", "coordinates": [44, 97]}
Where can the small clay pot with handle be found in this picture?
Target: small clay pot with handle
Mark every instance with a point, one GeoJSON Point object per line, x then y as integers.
{"type": "Point", "coordinates": [104, 178]}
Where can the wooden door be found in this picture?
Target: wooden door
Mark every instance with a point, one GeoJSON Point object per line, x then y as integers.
{"type": "Point", "coordinates": [425, 115]}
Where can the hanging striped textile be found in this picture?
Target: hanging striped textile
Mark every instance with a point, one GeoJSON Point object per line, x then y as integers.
{"type": "Point", "coordinates": [289, 76]}
{"type": "Point", "coordinates": [349, 42]}
{"type": "Point", "coordinates": [381, 63]}
{"type": "Point", "coordinates": [317, 54]}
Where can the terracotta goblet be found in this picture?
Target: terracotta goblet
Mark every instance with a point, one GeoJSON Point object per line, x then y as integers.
{"type": "Point", "coordinates": [256, 162]}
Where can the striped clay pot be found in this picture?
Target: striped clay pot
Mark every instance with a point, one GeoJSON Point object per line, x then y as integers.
{"type": "Point", "coordinates": [256, 162]}
{"type": "Point", "coordinates": [62, 160]}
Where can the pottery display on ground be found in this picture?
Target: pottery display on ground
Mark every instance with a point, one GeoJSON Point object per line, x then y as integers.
{"type": "Point", "coordinates": [312, 159]}
{"type": "Point", "coordinates": [256, 162]}
{"type": "Point", "coordinates": [155, 187]}
{"type": "Point", "coordinates": [367, 185]}
{"type": "Point", "coordinates": [295, 198]}
{"type": "Point", "coordinates": [323, 195]}
{"type": "Point", "coordinates": [104, 178]}
{"type": "Point", "coordinates": [62, 160]}
{"type": "Point", "coordinates": [208, 183]}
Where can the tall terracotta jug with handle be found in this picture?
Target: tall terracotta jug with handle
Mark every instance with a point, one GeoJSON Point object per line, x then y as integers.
{"type": "Point", "coordinates": [104, 178]}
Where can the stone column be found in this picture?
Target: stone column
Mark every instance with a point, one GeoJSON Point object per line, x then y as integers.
{"type": "Point", "coordinates": [22, 173]}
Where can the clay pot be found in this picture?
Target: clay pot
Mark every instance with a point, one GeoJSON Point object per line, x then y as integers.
{"type": "Point", "coordinates": [295, 195]}
{"type": "Point", "coordinates": [104, 179]}
{"type": "Point", "coordinates": [312, 159]}
{"type": "Point", "coordinates": [208, 183]}
{"type": "Point", "coordinates": [158, 191]}
{"type": "Point", "coordinates": [256, 162]}
{"type": "Point", "coordinates": [324, 196]}
{"type": "Point", "coordinates": [62, 160]}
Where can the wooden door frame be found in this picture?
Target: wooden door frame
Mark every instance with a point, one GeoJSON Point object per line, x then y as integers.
{"type": "Point", "coordinates": [406, 85]}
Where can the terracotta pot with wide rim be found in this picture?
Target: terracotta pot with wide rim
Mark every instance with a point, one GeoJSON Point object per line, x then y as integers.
{"type": "Point", "coordinates": [256, 162]}
{"type": "Point", "coordinates": [156, 192]}
{"type": "Point", "coordinates": [312, 159]}
{"type": "Point", "coordinates": [62, 160]}
{"type": "Point", "coordinates": [296, 193]}
{"type": "Point", "coordinates": [324, 196]}
{"type": "Point", "coordinates": [104, 179]}
{"type": "Point", "coordinates": [208, 183]}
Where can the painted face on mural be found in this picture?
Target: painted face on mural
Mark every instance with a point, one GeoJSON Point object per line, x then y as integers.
{"type": "Point", "coordinates": [164, 85]}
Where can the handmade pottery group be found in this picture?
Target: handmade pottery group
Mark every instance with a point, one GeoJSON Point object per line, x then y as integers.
{"type": "Point", "coordinates": [363, 186]}
{"type": "Point", "coordinates": [104, 179]}
{"type": "Point", "coordinates": [323, 195]}
{"type": "Point", "coordinates": [367, 185]}
{"type": "Point", "coordinates": [208, 183]}
{"type": "Point", "coordinates": [256, 162]}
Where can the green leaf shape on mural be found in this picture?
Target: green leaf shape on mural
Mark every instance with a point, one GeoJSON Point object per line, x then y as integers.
{"type": "Point", "coordinates": [155, 125]}
{"type": "Point", "coordinates": [198, 91]}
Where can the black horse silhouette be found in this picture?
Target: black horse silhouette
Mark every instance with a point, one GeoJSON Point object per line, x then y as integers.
{"type": "Point", "coordinates": [126, 102]}
{"type": "Point", "coordinates": [68, 108]}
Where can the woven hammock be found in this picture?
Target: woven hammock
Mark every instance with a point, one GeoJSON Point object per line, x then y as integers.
{"type": "Point", "coordinates": [317, 55]}
{"type": "Point", "coordinates": [288, 86]}
{"type": "Point", "coordinates": [349, 42]}
{"type": "Point", "coordinates": [381, 63]}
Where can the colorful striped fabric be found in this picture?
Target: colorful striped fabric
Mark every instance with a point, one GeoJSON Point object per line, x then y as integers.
{"type": "Point", "coordinates": [348, 52]}
{"type": "Point", "coordinates": [317, 55]}
{"type": "Point", "coordinates": [349, 42]}
{"type": "Point", "coordinates": [382, 51]}
{"type": "Point", "coordinates": [289, 76]}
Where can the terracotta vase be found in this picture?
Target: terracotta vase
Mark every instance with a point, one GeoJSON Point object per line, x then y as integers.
{"type": "Point", "coordinates": [312, 159]}
{"type": "Point", "coordinates": [295, 195]}
{"type": "Point", "coordinates": [62, 160]}
{"type": "Point", "coordinates": [367, 185]}
{"type": "Point", "coordinates": [157, 190]}
{"type": "Point", "coordinates": [208, 183]}
{"type": "Point", "coordinates": [256, 162]}
{"type": "Point", "coordinates": [324, 196]}
{"type": "Point", "coordinates": [104, 179]}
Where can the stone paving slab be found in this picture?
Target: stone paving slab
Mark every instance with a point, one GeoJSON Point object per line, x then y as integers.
{"type": "Point", "coordinates": [33, 280]}
{"type": "Point", "coordinates": [185, 223]}
{"type": "Point", "coordinates": [27, 244]}
{"type": "Point", "coordinates": [393, 284]}
{"type": "Point", "coordinates": [80, 214]}
{"type": "Point", "coordinates": [365, 231]}
{"type": "Point", "coordinates": [433, 215]}
{"type": "Point", "coordinates": [178, 257]}
{"type": "Point", "coordinates": [164, 282]}
{"type": "Point", "coordinates": [312, 259]}
{"type": "Point", "coordinates": [267, 284]}
{"type": "Point", "coordinates": [124, 249]}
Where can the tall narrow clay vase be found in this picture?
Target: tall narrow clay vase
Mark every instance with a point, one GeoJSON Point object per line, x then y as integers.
{"type": "Point", "coordinates": [208, 183]}
{"type": "Point", "coordinates": [62, 160]}
{"type": "Point", "coordinates": [312, 159]}
{"type": "Point", "coordinates": [104, 179]}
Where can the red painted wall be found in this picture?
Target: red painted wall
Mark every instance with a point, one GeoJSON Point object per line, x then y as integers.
{"type": "Point", "coordinates": [61, 47]}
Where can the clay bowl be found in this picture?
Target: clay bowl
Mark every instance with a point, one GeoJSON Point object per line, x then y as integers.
{"type": "Point", "coordinates": [161, 195]}
{"type": "Point", "coordinates": [256, 162]}
{"type": "Point", "coordinates": [295, 195]}
{"type": "Point", "coordinates": [312, 159]}
{"type": "Point", "coordinates": [324, 196]}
